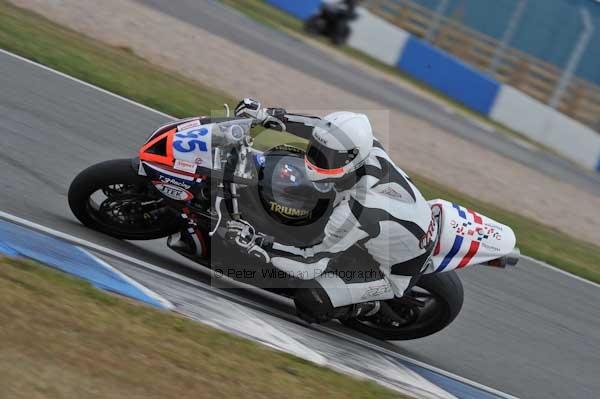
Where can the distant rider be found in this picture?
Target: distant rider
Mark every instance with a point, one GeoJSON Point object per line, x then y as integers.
{"type": "Point", "coordinates": [377, 209]}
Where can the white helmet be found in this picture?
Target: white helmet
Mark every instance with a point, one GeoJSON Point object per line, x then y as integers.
{"type": "Point", "coordinates": [340, 144]}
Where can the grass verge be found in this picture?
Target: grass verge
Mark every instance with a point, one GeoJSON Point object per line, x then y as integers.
{"type": "Point", "coordinates": [120, 71]}
{"type": "Point", "coordinates": [114, 69]}
{"type": "Point", "coordinates": [62, 338]}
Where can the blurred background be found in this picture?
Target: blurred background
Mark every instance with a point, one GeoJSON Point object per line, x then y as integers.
{"type": "Point", "coordinates": [525, 43]}
{"type": "Point", "coordinates": [530, 65]}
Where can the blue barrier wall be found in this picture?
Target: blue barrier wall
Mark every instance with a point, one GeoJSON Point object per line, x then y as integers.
{"type": "Point", "coordinates": [448, 75]}
{"type": "Point", "coordinates": [298, 8]}
{"type": "Point", "coordinates": [549, 29]}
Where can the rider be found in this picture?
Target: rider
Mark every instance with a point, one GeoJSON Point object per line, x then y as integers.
{"type": "Point", "coordinates": [377, 208]}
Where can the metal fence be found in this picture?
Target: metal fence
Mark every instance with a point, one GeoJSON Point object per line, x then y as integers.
{"type": "Point", "coordinates": [573, 96]}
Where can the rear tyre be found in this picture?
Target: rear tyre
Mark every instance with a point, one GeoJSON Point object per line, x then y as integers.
{"type": "Point", "coordinates": [112, 198]}
{"type": "Point", "coordinates": [443, 296]}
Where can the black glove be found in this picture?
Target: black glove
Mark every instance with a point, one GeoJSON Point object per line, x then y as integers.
{"type": "Point", "coordinates": [243, 234]}
{"type": "Point", "coordinates": [265, 242]}
{"type": "Point", "coordinates": [240, 232]}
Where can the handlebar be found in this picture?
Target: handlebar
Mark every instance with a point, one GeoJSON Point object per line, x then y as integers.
{"type": "Point", "coordinates": [234, 133]}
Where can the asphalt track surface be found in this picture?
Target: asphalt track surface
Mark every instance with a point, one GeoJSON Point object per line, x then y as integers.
{"type": "Point", "coordinates": [285, 49]}
{"type": "Point", "coordinates": [530, 332]}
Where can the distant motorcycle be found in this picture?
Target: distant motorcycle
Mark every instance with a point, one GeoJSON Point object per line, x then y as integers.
{"type": "Point", "coordinates": [193, 176]}
{"type": "Point", "coordinates": [333, 21]}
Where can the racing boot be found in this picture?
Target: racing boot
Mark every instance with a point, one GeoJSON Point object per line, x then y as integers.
{"type": "Point", "coordinates": [313, 305]}
{"type": "Point", "coordinates": [188, 243]}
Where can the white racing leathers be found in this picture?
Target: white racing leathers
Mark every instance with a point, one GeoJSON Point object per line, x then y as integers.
{"type": "Point", "coordinates": [384, 215]}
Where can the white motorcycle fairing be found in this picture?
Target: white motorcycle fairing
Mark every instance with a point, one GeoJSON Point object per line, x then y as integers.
{"type": "Point", "coordinates": [467, 238]}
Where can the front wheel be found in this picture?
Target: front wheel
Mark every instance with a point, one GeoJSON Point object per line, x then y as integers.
{"type": "Point", "coordinates": [441, 298]}
{"type": "Point", "coordinates": [112, 198]}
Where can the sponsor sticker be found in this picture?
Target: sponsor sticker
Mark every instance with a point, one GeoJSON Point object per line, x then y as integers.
{"type": "Point", "coordinates": [475, 231]}
{"type": "Point", "coordinates": [490, 247]}
{"type": "Point", "coordinates": [319, 138]}
{"type": "Point", "coordinates": [173, 192]}
{"type": "Point", "coordinates": [171, 180]}
{"type": "Point", "coordinates": [185, 166]}
{"type": "Point", "coordinates": [429, 235]}
{"type": "Point", "coordinates": [260, 159]}
{"type": "Point", "coordinates": [188, 125]}
{"type": "Point", "coordinates": [287, 211]}
{"type": "Point", "coordinates": [494, 226]}
{"type": "Point", "coordinates": [390, 192]}
{"type": "Point", "coordinates": [376, 291]}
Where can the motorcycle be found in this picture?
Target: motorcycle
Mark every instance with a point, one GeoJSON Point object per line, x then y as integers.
{"type": "Point", "coordinates": [333, 21]}
{"type": "Point", "coordinates": [195, 176]}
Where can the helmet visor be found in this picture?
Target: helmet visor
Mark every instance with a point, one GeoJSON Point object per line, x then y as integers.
{"type": "Point", "coordinates": [325, 158]}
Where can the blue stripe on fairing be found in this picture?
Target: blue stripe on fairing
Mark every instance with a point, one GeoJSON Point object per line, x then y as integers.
{"type": "Point", "coordinates": [455, 248]}
{"type": "Point", "coordinates": [598, 165]}
{"type": "Point", "coordinates": [461, 213]}
{"type": "Point", "coordinates": [20, 241]}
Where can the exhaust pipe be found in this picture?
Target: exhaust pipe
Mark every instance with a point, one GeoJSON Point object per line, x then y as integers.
{"type": "Point", "coordinates": [510, 259]}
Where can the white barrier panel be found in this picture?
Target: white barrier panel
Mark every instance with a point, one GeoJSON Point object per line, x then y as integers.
{"type": "Point", "coordinates": [377, 38]}
{"type": "Point", "coordinates": [572, 139]}
{"type": "Point", "coordinates": [547, 126]}
{"type": "Point", "coordinates": [513, 108]}
{"type": "Point", "coordinates": [520, 112]}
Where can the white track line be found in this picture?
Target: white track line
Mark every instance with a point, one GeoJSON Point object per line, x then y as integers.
{"type": "Point", "coordinates": [91, 86]}
{"type": "Point", "coordinates": [407, 359]}
{"type": "Point", "coordinates": [560, 271]}
{"type": "Point", "coordinates": [159, 270]}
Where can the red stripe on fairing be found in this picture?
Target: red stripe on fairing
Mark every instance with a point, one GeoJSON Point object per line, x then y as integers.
{"type": "Point", "coordinates": [437, 246]}
{"type": "Point", "coordinates": [476, 217]}
{"type": "Point", "coordinates": [473, 248]}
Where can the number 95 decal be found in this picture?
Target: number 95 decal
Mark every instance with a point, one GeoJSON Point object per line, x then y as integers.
{"type": "Point", "coordinates": [191, 141]}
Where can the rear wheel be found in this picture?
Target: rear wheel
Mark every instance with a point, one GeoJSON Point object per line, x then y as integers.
{"type": "Point", "coordinates": [112, 198]}
{"type": "Point", "coordinates": [430, 307]}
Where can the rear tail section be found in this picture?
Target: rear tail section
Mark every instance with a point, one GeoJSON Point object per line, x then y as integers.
{"type": "Point", "coordinates": [469, 238]}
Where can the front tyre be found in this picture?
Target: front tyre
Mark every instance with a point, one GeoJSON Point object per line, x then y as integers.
{"type": "Point", "coordinates": [112, 198]}
{"type": "Point", "coordinates": [442, 295]}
